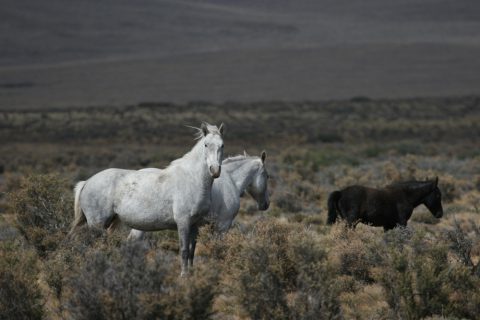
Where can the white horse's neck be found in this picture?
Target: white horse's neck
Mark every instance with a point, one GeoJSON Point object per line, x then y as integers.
{"type": "Point", "coordinates": [195, 161]}
{"type": "Point", "coordinates": [242, 172]}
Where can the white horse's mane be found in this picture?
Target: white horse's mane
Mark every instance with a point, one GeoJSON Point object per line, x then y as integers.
{"type": "Point", "coordinates": [239, 157]}
{"type": "Point", "coordinates": [211, 129]}
{"type": "Point", "coordinates": [198, 136]}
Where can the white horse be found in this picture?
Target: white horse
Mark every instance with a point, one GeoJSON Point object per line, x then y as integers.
{"type": "Point", "coordinates": [177, 197]}
{"type": "Point", "coordinates": [239, 174]}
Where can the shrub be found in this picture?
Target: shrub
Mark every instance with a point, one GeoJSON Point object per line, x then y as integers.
{"type": "Point", "coordinates": [132, 282]}
{"type": "Point", "coordinates": [70, 253]}
{"type": "Point", "coordinates": [425, 217]}
{"type": "Point", "coordinates": [316, 293]}
{"type": "Point", "coordinates": [419, 280]}
{"type": "Point", "coordinates": [449, 188]}
{"type": "Point", "coordinates": [454, 188]}
{"type": "Point", "coordinates": [260, 271]}
{"type": "Point", "coordinates": [20, 296]}
{"type": "Point", "coordinates": [354, 253]}
{"type": "Point", "coordinates": [289, 203]}
{"type": "Point", "coordinates": [43, 208]}
{"type": "Point", "coordinates": [461, 245]}
{"type": "Point", "coordinates": [276, 271]}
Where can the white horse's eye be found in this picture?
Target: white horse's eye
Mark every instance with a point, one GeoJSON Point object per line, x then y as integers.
{"type": "Point", "coordinates": [205, 145]}
{"type": "Point", "coordinates": [222, 146]}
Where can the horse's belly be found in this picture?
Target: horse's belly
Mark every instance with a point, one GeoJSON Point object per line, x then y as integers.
{"type": "Point", "coordinates": [146, 215]}
{"type": "Point", "coordinates": [374, 222]}
{"type": "Point", "coordinates": [374, 218]}
{"type": "Point", "coordinates": [149, 221]}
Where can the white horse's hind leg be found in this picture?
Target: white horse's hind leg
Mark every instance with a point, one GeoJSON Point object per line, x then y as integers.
{"type": "Point", "coordinates": [113, 224]}
{"type": "Point", "coordinates": [136, 235]}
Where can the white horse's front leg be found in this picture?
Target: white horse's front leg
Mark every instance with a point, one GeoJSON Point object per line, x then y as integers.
{"type": "Point", "coordinates": [184, 237]}
{"type": "Point", "coordinates": [136, 235]}
{"type": "Point", "coordinates": [193, 243]}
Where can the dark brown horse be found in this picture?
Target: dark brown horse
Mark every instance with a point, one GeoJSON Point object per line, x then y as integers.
{"type": "Point", "coordinates": [387, 207]}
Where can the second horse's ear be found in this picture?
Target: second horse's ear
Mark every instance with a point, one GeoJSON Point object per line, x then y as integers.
{"type": "Point", "coordinates": [263, 156]}
{"type": "Point", "coordinates": [221, 128]}
{"type": "Point", "coordinates": [204, 129]}
{"type": "Point", "coordinates": [436, 181]}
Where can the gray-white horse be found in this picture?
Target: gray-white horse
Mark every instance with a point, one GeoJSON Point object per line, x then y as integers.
{"type": "Point", "coordinates": [177, 197]}
{"type": "Point", "coordinates": [239, 174]}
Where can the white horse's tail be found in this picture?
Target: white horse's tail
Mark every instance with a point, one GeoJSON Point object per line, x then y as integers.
{"type": "Point", "coordinates": [79, 215]}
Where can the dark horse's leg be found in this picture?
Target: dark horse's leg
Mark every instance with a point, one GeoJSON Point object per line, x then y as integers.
{"type": "Point", "coordinates": [404, 213]}
{"type": "Point", "coordinates": [392, 225]}
{"type": "Point", "coordinates": [387, 228]}
{"type": "Point", "coordinates": [193, 243]}
{"type": "Point", "coordinates": [352, 218]}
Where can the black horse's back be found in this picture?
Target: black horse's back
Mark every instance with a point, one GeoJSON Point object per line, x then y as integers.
{"type": "Point", "coordinates": [332, 206]}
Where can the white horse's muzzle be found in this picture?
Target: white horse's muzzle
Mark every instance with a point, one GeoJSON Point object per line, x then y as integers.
{"type": "Point", "coordinates": [215, 171]}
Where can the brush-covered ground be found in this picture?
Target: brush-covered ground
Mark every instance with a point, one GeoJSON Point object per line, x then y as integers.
{"type": "Point", "coordinates": [285, 263]}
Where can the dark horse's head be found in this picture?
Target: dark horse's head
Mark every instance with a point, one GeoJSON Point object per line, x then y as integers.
{"type": "Point", "coordinates": [433, 200]}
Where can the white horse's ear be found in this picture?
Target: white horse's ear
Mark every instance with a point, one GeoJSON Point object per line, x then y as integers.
{"type": "Point", "coordinates": [221, 129]}
{"type": "Point", "coordinates": [245, 153]}
{"type": "Point", "coordinates": [264, 156]}
{"type": "Point", "coordinates": [204, 129]}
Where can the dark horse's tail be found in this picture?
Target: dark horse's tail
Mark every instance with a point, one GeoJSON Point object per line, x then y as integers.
{"type": "Point", "coordinates": [332, 206]}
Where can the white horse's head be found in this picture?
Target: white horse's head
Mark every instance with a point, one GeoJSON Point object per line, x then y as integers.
{"type": "Point", "coordinates": [258, 188]}
{"type": "Point", "coordinates": [213, 144]}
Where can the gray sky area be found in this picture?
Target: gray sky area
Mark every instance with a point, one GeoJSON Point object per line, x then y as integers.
{"type": "Point", "coordinates": [59, 53]}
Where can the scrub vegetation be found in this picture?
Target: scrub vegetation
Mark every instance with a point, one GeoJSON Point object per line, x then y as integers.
{"type": "Point", "coordinates": [284, 263]}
